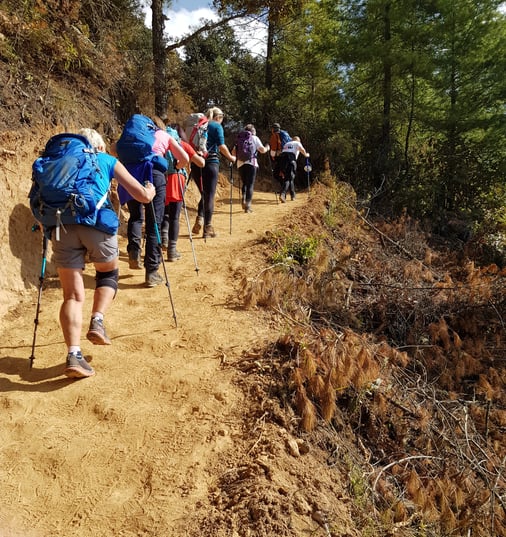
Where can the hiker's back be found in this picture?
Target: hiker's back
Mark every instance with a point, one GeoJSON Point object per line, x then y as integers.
{"type": "Point", "coordinates": [65, 187]}
{"type": "Point", "coordinates": [246, 147]}
{"type": "Point", "coordinates": [279, 138]}
{"type": "Point", "coordinates": [195, 127]}
{"type": "Point", "coordinates": [138, 142]}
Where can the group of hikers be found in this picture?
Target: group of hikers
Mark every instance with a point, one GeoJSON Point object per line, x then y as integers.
{"type": "Point", "coordinates": [152, 163]}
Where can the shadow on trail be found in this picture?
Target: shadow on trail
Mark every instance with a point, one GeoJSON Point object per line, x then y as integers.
{"type": "Point", "coordinates": [42, 380]}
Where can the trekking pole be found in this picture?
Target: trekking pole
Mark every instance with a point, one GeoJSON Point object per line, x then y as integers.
{"type": "Point", "coordinates": [308, 168]}
{"type": "Point", "coordinates": [41, 283]}
{"type": "Point", "coordinates": [231, 192]}
{"type": "Point", "coordinates": [183, 190]}
{"type": "Point", "coordinates": [159, 241]}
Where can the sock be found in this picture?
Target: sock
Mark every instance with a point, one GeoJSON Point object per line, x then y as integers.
{"type": "Point", "coordinates": [74, 349]}
{"type": "Point", "coordinates": [97, 315]}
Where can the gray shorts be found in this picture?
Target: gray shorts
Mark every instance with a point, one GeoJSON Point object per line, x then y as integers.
{"type": "Point", "coordinates": [71, 249]}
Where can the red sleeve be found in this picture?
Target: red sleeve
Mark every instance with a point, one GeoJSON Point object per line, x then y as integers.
{"type": "Point", "coordinates": [188, 148]}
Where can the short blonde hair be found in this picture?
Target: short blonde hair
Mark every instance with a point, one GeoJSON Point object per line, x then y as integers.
{"type": "Point", "coordinates": [214, 112]}
{"type": "Point", "coordinates": [94, 138]}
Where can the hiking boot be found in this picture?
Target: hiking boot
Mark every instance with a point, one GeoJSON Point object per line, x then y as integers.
{"type": "Point", "coordinates": [243, 204]}
{"type": "Point", "coordinates": [282, 197]}
{"type": "Point", "coordinates": [77, 367]}
{"type": "Point", "coordinates": [134, 262]}
{"type": "Point", "coordinates": [293, 197]}
{"type": "Point", "coordinates": [199, 222]}
{"type": "Point", "coordinates": [153, 279]}
{"type": "Point", "coordinates": [96, 333]}
{"type": "Point", "coordinates": [248, 209]}
{"type": "Point", "coordinates": [173, 256]}
{"type": "Point", "coordinates": [172, 253]}
{"type": "Point", "coordinates": [209, 231]}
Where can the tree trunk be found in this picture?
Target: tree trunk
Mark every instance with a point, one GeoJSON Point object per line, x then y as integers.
{"type": "Point", "coordinates": [159, 59]}
{"type": "Point", "coordinates": [270, 49]}
{"type": "Point", "coordinates": [387, 99]}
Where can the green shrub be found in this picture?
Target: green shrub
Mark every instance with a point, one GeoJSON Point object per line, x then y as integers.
{"type": "Point", "coordinates": [296, 250]}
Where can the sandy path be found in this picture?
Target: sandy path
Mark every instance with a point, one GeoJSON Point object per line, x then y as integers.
{"type": "Point", "coordinates": [131, 451]}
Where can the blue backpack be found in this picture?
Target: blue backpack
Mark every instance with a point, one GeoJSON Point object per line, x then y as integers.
{"type": "Point", "coordinates": [64, 187]}
{"type": "Point", "coordinates": [136, 143]}
{"type": "Point", "coordinates": [246, 147]}
{"type": "Point", "coordinates": [284, 138]}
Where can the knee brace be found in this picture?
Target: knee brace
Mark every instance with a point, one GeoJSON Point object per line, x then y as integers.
{"type": "Point", "coordinates": [107, 279]}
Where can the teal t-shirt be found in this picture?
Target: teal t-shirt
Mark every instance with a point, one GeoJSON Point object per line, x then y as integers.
{"type": "Point", "coordinates": [215, 138]}
{"type": "Point", "coordinates": [107, 219]}
{"type": "Point", "coordinates": [106, 163]}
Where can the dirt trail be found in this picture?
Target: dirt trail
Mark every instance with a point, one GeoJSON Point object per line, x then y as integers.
{"type": "Point", "coordinates": [131, 451]}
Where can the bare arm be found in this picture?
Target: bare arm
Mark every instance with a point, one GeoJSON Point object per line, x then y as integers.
{"type": "Point", "coordinates": [226, 153]}
{"type": "Point", "coordinates": [199, 160]}
{"type": "Point", "coordinates": [264, 148]}
{"type": "Point", "coordinates": [144, 194]}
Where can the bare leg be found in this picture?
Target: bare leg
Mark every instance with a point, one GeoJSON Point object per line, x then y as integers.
{"type": "Point", "coordinates": [71, 311]}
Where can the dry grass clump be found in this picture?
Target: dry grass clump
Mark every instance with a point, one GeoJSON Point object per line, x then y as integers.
{"type": "Point", "coordinates": [403, 346]}
{"type": "Point", "coordinates": [432, 459]}
{"type": "Point", "coordinates": [327, 365]}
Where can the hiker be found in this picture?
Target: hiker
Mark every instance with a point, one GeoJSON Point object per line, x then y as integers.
{"type": "Point", "coordinates": [277, 140]}
{"type": "Point", "coordinates": [247, 146]}
{"type": "Point", "coordinates": [215, 147]}
{"type": "Point", "coordinates": [153, 214]}
{"type": "Point", "coordinates": [69, 253]}
{"type": "Point", "coordinates": [288, 164]}
{"type": "Point", "coordinates": [176, 186]}
{"type": "Point", "coordinates": [195, 133]}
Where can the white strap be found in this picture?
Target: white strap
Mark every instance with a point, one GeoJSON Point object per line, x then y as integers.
{"type": "Point", "coordinates": [102, 200]}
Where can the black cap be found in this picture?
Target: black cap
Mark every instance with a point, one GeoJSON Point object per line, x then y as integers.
{"type": "Point", "coordinates": [276, 126]}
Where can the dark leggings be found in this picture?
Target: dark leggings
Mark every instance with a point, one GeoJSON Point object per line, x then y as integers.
{"type": "Point", "coordinates": [170, 225]}
{"type": "Point", "coordinates": [248, 174]}
{"type": "Point", "coordinates": [134, 228]}
{"type": "Point", "coordinates": [210, 181]}
{"type": "Point", "coordinates": [152, 257]}
{"type": "Point", "coordinates": [289, 169]}
{"type": "Point", "coordinates": [196, 175]}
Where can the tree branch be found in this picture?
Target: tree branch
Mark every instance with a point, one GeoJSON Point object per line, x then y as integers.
{"type": "Point", "coordinates": [211, 25]}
